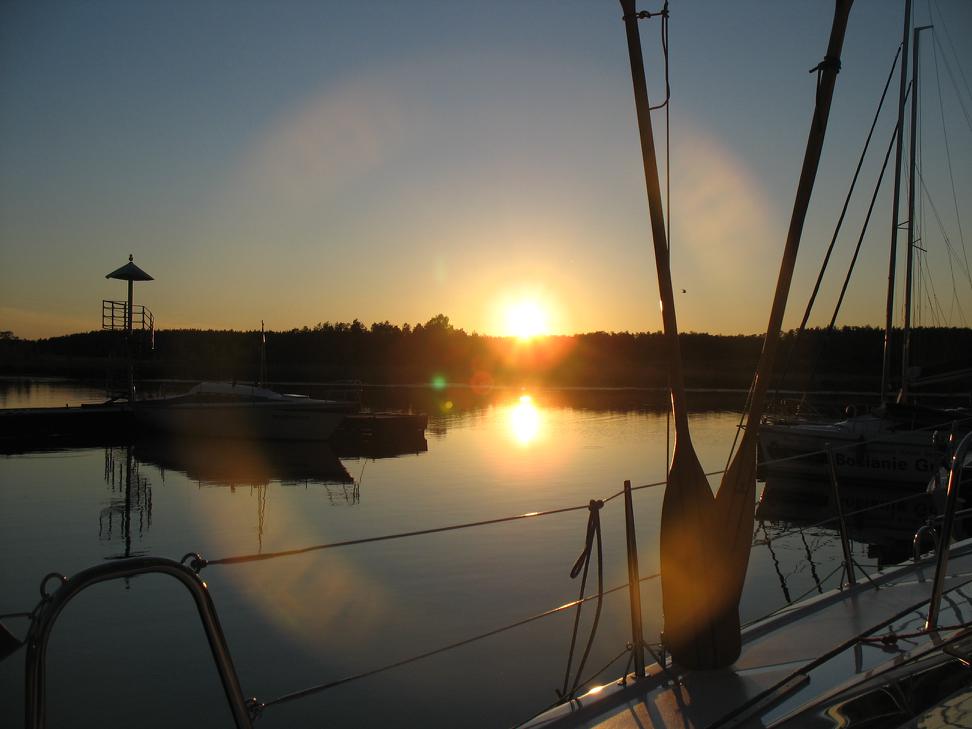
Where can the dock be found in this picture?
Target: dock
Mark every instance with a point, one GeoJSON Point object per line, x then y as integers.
{"type": "Point", "coordinates": [112, 421]}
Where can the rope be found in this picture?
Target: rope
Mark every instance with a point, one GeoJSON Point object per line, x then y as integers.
{"type": "Point", "coordinates": [583, 563]}
{"type": "Point", "coordinates": [663, 14]}
{"type": "Point", "coordinates": [664, 41]}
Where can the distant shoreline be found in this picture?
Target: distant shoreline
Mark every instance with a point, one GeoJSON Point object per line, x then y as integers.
{"type": "Point", "coordinates": [843, 362]}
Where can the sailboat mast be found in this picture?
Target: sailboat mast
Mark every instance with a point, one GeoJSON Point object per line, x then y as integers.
{"type": "Point", "coordinates": [263, 356]}
{"type": "Point", "coordinates": [912, 164]}
{"type": "Point", "coordinates": [899, 145]}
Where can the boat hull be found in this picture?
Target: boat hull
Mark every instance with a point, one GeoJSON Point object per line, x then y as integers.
{"type": "Point", "coordinates": [304, 420]}
{"type": "Point", "coordinates": [908, 459]}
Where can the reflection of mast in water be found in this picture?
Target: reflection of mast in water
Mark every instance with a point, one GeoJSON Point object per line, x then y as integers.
{"type": "Point", "coordinates": [776, 564]}
{"type": "Point", "coordinates": [130, 492]}
{"type": "Point", "coordinates": [261, 491]}
{"type": "Point", "coordinates": [784, 586]}
{"type": "Point", "coordinates": [350, 493]}
{"type": "Point", "coordinates": [813, 565]}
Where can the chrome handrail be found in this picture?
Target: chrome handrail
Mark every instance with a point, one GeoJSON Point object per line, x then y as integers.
{"type": "Point", "coordinates": [52, 605]}
{"type": "Point", "coordinates": [945, 537]}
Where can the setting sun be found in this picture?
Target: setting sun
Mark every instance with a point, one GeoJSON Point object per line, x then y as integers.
{"type": "Point", "coordinates": [526, 319]}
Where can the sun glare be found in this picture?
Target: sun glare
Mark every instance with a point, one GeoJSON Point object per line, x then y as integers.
{"type": "Point", "coordinates": [525, 421]}
{"type": "Point", "coordinates": [527, 319]}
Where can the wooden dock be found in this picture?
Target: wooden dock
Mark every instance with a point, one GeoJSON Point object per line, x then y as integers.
{"type": "Point", "coordinates": [112, 421]}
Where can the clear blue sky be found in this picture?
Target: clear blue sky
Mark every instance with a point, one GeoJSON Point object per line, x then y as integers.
{"type": "Point", "coordinates": [301, 162]}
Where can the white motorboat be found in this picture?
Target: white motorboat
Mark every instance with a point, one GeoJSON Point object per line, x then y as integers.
{"type": "Point", "coordinates": [231, 410]}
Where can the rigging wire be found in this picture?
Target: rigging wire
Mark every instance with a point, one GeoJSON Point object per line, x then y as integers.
{"type": "Point", "coordinates": [850, 191]}
{"type": "Point", "coordinates": [958, 93]}
{"type": "Point", "coordinates": [953, 255]}
{"type": "Point", "coordinates": [867, 218]}
{"type": "Point", "coordinates": [840, 221]}
{"type": "Point", "coordinates": [944, 26]}
{"type": "Point", "coordinates": [811, 377]}
{"type": "Point", "coordinates": [948, 154]}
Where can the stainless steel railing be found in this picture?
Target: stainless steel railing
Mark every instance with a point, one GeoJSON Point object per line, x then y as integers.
{"type": "Point", "coordinates": [945, 536]}
{"type": "Point", "coordinates": [53, 603]}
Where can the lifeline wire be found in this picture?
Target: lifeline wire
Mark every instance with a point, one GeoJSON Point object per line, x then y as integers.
{"type": "Point", "coordinates": [200, 563]}
{"type": "Point", "coordinates": [382, 538]}
{"type": "Point", "coordinates": [348, 679]}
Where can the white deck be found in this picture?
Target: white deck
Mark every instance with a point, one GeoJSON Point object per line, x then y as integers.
{"type": "Point", "coordinates": [776, 649]}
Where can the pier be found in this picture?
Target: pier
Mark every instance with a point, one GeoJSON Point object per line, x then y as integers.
{"type": "Point", "coordinates": [114, 421]}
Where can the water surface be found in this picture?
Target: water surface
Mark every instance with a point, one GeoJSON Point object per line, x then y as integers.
{"type": "Point", "coordinates": [134, 652]}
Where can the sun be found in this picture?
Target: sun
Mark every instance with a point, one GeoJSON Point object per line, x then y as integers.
{"type": "Point", "coordinates": [527, 319]}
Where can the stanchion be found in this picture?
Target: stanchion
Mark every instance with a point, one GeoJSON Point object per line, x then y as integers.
{"type": "Point", "coordinates": [844, 541]}
{"type": "Point", "coordinates": [634, 585]}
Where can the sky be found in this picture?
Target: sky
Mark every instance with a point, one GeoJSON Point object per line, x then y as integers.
{"type": "Point", "coordinates": [301, 162]}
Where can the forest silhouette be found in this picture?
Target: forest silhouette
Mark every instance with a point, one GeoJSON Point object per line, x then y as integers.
{"type": "Point", "coordinates": [438, 352]}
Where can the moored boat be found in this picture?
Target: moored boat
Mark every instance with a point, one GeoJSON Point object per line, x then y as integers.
{"type": "Point", "coordinates": [900, 446]}
{"type": "Point", "coordinates": [231, 410]}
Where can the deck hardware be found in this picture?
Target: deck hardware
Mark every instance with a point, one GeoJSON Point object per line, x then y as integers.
{"type": "Point", "coordinates": [45, 595]}
{"type": "Point", "coordinates": [917, 542]}
{"type": "Point", "coordinates": [195, 561]}
{"type": "Point", "coordinates": [51, 606]}
{"type": "Point", "coordinates": [634, 585]}
{"type": "Point", "coordinates": [945, 536]}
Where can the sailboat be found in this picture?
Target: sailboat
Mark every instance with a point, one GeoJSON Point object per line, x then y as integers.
{"type": "Point", "coordinates": [886, 652]}
{"type": "Point", "coordinates": [900, 443]}
{"type": "Point", "coordinates": [823, 662]}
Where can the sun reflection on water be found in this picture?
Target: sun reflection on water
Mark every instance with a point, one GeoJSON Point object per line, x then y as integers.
{"type": "Point", "coordinates": [525, 421]}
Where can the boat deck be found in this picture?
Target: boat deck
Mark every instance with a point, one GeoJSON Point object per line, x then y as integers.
{"type": "Point", "coordinates": [780, 666]}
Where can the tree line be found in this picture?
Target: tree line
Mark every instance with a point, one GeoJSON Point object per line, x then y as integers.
{"type": "Point", "coordinates": [436, 351]}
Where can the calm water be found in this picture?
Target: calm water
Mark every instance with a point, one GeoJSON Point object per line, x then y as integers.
{"type": "Point", "coordinates": [135, 652]}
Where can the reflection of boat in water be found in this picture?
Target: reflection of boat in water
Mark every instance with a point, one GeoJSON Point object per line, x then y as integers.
{"type": "Point", "coordinates": [220, 409]}
{"type": "Point", "coordinates": [886, 524]}
{"type": "Point", "coordinates": [895, 445]}
{"type": "Point", "coordinates": [228, 461]}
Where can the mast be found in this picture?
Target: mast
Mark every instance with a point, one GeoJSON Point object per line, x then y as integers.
{"type": "Point", "coordinates": [899, 144]}
{"type": "Point", "coordinates": [263, 356]}
{"type": "Point", "coordinates": [906, 330]}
